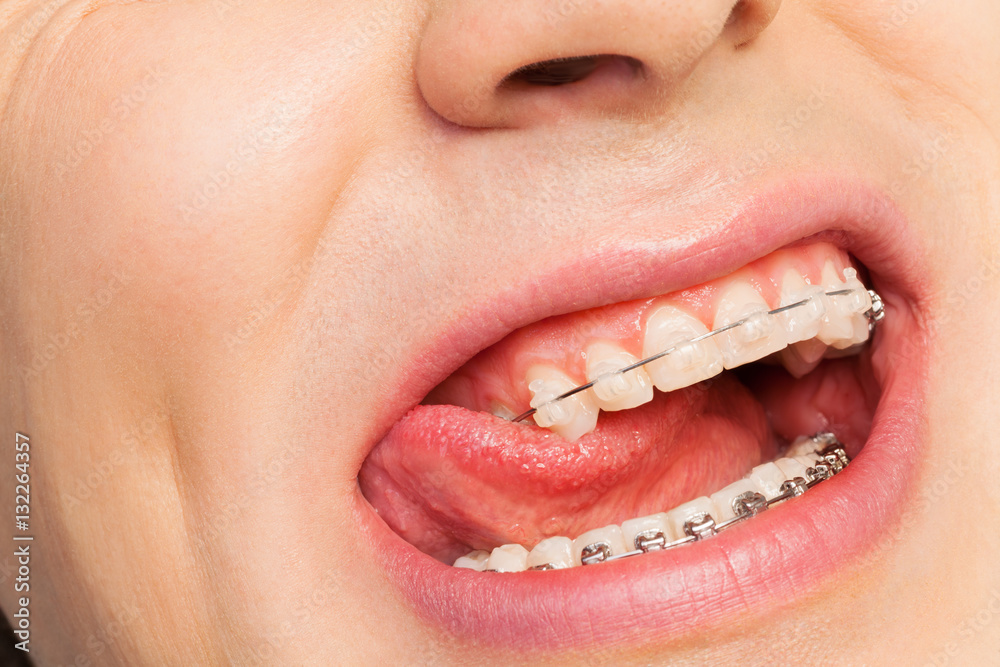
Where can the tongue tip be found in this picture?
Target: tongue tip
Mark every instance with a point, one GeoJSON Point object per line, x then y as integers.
{"type": "Point", "coordinates": [459, 430]}
{"type": "Point", "coordinates": [477, 479]}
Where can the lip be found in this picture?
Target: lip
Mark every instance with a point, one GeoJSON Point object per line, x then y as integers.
{"type": "Point", "coordinates": [774, 559]}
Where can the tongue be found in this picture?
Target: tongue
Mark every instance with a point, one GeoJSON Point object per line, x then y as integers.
{"type": "Point", "coordinates": [450, 480]}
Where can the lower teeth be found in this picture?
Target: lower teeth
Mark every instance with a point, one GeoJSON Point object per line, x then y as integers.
{"type": "Point", "coordinates": [808, 462]}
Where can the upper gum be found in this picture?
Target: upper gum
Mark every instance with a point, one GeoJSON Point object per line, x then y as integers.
{"type": "Point", "coordinates": [560, 341]}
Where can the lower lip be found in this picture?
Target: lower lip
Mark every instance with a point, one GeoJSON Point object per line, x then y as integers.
{"type": "Point", "coordinates": [774, 559]}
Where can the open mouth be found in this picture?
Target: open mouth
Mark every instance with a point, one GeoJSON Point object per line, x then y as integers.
{"type": "Point", "coordinates": [705, 436]}
{"type": "Point", "coordinates": [614, 457]}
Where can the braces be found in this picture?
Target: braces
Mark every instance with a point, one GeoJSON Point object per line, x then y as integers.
{"type": "Point", "coordinates": [875, 314]}
{"type": "Point", "coordinates": [832, 460]}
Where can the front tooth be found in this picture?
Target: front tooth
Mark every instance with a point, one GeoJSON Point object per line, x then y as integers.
{"type": "Point", "coordinates": [725, 498]}
{"type": "Point", "coordinates": [647, 526]}
{"type": "Point", "coordinates": [474, 560]}
{"type": "Point", "coordinates": [802, 322]}
{"type": "Point", "coordinates": [768, 477]}
{"type": "Point", "coordinates": [614, 390]}
{"type": "Point", "coordinates": [757, 337]}
{"type": "Point", "coordinates": [570, 417]}
{"type": "Point", "coordinates": [508, 558]}
{"type": "Point", "coordinates": [611, 536]}
{"type": "Point", "coordinates": [690, 363]}
{"type": "Point", "coordinates": [677, 517]}
{"type": "Point", "coordinates": [556, 552]}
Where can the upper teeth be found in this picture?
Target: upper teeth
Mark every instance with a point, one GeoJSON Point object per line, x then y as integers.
{"type": "Point", "coordinates": [844, 324]}
{"type": "Point", "coordinates": [570, 417]}
{"type": "Point", "coordinates": [690, 362]}
{"type": "Point", "coordinates": [804, 322]}
{"type": "Point", "coordinates": [614, 390]}
{"type": "Point", "coordinates": [809, 320]}
{"type": "Point", "coordinates": [758, 334]}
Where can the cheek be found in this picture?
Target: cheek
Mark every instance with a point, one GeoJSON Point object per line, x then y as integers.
{"type": "Point", "coordinates": [205, 187]}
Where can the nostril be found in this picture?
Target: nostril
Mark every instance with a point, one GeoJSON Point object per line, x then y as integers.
{"type": "Point", "coordinates": [736, 14]}
{"type": "Point", "coordinates": [748, 18]}
{"type": "Point", "coordinates": [562, 71]}
{"type": "Point", "coordinates": [555, 72]}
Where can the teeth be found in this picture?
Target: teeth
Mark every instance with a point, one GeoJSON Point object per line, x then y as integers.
{"type": "Point", "coordinates": [859, 301]}
{"type": "Point", "coordinates": [475, 560]}
{"type": "Point", "coordinates": [803, 322]}
{"type": "Point", "coordinates": [614, 390]}
{"type": "Point", "coordinates": [508, 558]}
{"type": "Point", "coordinates": [792, 468]}
{"type": "Point", "coordinates": [757, 337]}
{"type": "Point", "coordinates": [609, 539]}
{"type": "Point", "coordinates": [694, 509]}
{"type": "Point", "coordinates": [856, 304]}
{"type": "Point", "coordinates": [555, 552]}
{"type": "Point", "coordinates": [838, 353]}
{"type": "Point", "coordinates": [803, 357]}
{"type": "Point", "coordinates": [836, 327]}
{"type": "Point", "coordinates": [807, 461]}
{"type": "Point", "coordinates": [768, 477]}
{"type": "Point", "coordinates": [725, 499]}
{"type": "Point", "coordinates": [845, 323]}
{"type": "Point", "coordinates": [815, 326]}
{"type": "Point", "coordinates": [804, 446]}
{"type": "Point", "coordinates": [647, 527]}
{"type": "Point", "coordinates": [698, 519]}
{"type": "Point", "coordinates": [690, 363]}
{"type": "Point", "coordinates": [500, 410]}
{"type": "Point", "coordinates": [571, 417]}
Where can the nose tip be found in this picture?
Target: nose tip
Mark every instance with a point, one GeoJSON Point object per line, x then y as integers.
{"type": "Point", "coordinates": [522, 62]}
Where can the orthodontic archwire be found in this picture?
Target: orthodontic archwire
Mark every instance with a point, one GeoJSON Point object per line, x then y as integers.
{"type": "Point", "coordinates": [875, 314]}
{"type": "Point", "coordinates": [830, 460]}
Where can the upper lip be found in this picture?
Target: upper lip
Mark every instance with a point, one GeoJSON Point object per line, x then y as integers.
{"type": "Point", "coordinates": [684, 589]}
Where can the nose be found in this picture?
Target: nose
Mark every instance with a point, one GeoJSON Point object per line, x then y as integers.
{"type": "Point", "coordinates": [518, 62]}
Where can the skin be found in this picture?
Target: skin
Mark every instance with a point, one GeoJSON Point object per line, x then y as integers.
{"type": "Point", "coordinates": [275, 194]}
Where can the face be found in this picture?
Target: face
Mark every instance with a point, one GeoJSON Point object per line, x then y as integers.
{"type": "Point", "coordinates": [277, 276]}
